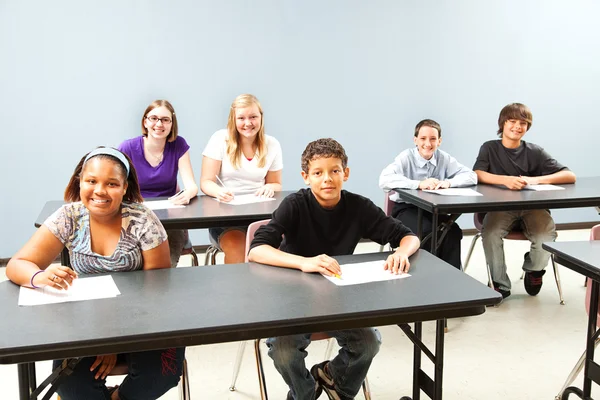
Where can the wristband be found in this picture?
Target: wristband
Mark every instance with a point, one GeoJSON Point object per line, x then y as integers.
{"type": "Point", "coordinates": [33, 276]}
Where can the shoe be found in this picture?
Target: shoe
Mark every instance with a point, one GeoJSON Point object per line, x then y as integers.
{"type": "Point", "coordinates": [324, 381]}
{"type": "Point", "coordinates": [533, 281]}
{"type": "Point", "coordinates": [504, 293]}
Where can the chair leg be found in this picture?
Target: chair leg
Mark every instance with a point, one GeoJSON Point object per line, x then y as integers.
{"type": "Point", "coordinates": [329, 348]}
{"type": "Point", "coordinates": [576, 370]}
{"type": "Point", "coordinates": [213, 256]}
{"type": "Point", "coordinates": [470, 253]}
{"type": "Point", "coordinates": [194, 258]}
{"type": "Point", "coordinates": [557, 279]}
{"type": "Point", "coordinates": [184, 385]}
{"type": "Point", "coordinates": [261, 372]}
{"type": "Point", "coordinates": [366, 389]}
{"type": "Point", "coordinates": [237, 365]}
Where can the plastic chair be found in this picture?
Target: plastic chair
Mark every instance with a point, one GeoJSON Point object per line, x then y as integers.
{"type": "Point", "coordinates": [594, 235]}
{"type": "Point", "coordinates": [252, 228]}
{"type": "Point", "coordinates": [184, 384]}
{"type": "Point", "coordinates": [515, 234]}
{"type": "Point", "coordinates": [388, 206]}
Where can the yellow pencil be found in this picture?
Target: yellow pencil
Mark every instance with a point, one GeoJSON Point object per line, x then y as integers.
{"type": "Point", "coordinates": [337, 276]}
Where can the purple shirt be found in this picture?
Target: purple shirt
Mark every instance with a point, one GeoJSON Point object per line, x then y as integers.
{"type": "Point", "coordinates": [160, 180]}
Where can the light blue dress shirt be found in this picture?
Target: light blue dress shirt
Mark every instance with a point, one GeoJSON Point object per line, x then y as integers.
{"type": "Point", "coordinates": [409, 169]}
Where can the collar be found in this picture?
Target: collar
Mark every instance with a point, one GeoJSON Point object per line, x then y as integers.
{"type": "Point", "coordinates": [421, 162]}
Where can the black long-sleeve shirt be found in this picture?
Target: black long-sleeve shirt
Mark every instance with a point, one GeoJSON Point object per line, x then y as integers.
{"type": "Point", "coordinates": [301, 226]}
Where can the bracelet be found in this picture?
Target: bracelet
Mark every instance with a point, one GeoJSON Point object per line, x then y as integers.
{"type": "Point", "coordinates": [33, 276]}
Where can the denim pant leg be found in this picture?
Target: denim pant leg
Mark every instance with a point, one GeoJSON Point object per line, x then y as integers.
{"type": "Point", "coordinates": [538, 227]}
{"type": "Point", "coordinates": [349, 368]}
{"type": "Point", "coordinates": [496, 225]}
{"type": "Point", "coordinates": [81, 384]}
{"type": "Point", "coordinates": [177, 239]}
{"type": "Point", "coordinates": [288, 354]}
{"type": "Point", "coordinates": [152, 373]}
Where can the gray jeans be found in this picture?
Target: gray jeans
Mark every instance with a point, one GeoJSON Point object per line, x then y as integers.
{"type": "Point", "coordinates": [538, 227]}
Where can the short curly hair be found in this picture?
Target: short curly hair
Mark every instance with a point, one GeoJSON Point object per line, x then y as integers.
{"type": "Point", "coordinates": [323, 148]}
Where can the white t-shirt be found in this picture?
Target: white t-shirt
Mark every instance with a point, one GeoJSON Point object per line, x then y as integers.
{"type": "Point", "coordinates": [249, 176]}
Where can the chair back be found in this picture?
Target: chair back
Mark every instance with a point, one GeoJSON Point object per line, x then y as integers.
{"type": "Point", "coordinates": [594, 235]}
{"type": "Point", "coordinates": [478, 220]}
{"type": "Point", "coordinates": [252, 228]}
{"type": "Point", "coordinates": [388, 204]}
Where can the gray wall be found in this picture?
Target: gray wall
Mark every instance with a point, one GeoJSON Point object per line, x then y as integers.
{"type": "Point", "coordinates": [76, 74]}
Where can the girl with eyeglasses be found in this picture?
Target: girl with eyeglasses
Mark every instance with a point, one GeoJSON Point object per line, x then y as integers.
{"type": "Point", "coordinates": [159, 154]}
{"type": "Point", "coordinates": [236, 160]}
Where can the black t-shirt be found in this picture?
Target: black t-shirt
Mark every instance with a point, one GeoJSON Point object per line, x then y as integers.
{"type": "Point", "coordinates": [301, 226]}
{"type": "Point", "coordinates": [526, 160]}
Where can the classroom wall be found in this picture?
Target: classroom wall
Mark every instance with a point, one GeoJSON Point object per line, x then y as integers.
{"type": "Point", "coordinates": [77, 74]}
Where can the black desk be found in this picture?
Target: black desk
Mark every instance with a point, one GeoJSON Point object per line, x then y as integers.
{"type": "Point", "coordinates": [583, 257]}
{"type": "Point", "coordinates": [202, 212]}
{"type": "Point", "coordinates": [193, 306]}
{"type": "Point", "coordinates": [584, 193]}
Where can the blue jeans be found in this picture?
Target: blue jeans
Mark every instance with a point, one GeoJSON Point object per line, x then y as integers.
{"type": "Point", "coordinates": [538, 227]}
{"type": "Point", "coordinates": [348, 369]}
{"type": "Point", "coordinates": [151, 374]}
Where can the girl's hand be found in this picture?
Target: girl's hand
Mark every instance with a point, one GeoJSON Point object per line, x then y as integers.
{"type": "Point", "coordinates": [225, 196]}
{"type": "Point", "coordinates": [183, 197]}
{"type": "Point", "coordinates": [56, 276]}
{"type": "Point", "coordinates": [105, 364]}
{"type": "Point", "coordinates": [265, 191]}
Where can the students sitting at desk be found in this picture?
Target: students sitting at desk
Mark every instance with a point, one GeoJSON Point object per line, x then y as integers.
{"type": "Point", "coordinates": [514, 163]}
{"type": "Point", "coordinates": [310, 227]}
{"type": "Point", "coordinates": [241, 158]}
{"type": "Point", "coordinates": [427, 167]}
{"type": "Point", "coordinates": [158, 155]}
{"type": "Point", "coordinates": [105, 229]}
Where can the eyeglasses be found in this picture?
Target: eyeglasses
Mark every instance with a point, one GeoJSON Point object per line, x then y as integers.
{"type": "Point", "coordinates": [154, 119]}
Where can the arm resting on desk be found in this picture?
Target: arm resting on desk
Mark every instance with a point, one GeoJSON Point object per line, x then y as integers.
{"type": "Point", "coordinates": [266, 254]}
{"type": "Point", "coordinates": [397, 262]}
{"type": "Point", "coordinates": [560, 177]}
{"type": "Point", "coordinates": [36, 255]}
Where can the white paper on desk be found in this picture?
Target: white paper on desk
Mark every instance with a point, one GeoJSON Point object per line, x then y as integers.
{"type": "Point", "coordinates": [97, 287]}
{"type": "Point", "coordinates": [371, 271]}
{"type": "Point", "coordinates": [543, 187]}
{"type": "Point", "coordinates": [161, 204]}
{"type": "Point", "coordinates": [455, 192]}
{"type": "Point", "coordinates": [250, 198]}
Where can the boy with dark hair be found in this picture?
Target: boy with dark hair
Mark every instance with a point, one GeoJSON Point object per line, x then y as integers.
{"type": "Point", "coordinates": [310, 227]}
{"type": "Point", "coordinates": [427, 167]}
{"type": "Point", "coordinates": [514, 163]}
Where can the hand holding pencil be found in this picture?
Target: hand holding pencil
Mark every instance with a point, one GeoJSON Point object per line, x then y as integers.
{"type": "Point", "coordinates": [224, 195]}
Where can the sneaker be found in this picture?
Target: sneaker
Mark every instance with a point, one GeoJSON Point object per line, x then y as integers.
{"type": "Point", "coordinates": [533, 281]}
{"type": "Point", "coordinates": [504, 293]}
{"type": "Point", "coordinates": [324, 381]}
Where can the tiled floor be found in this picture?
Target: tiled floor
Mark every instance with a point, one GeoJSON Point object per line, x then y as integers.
{"type": "Point", "coordinates": [522, 350]}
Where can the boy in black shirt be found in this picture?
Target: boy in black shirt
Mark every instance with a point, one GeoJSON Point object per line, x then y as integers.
{"type": "Point", "coordinates": [514, 163]}
{"type": "Point", "coordinates": [309, 227]}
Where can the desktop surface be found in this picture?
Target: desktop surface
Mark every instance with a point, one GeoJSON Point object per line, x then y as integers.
{"type": "Point", "coordinates": [201, 305]}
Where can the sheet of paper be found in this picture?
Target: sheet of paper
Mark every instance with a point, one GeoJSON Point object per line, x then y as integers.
{"type": "Point", "coordinates": [455, 192]}
{"type": "Point", "coordinates": [543, 187]}
{"type": "Point", "coordinates": [249, 198]}
{"type": "Point", "coordinates": [161, 204]}
{"type": "Point", "coordinates": [97, 287]}
{"type": "Point", "coordinates": [372, 271]}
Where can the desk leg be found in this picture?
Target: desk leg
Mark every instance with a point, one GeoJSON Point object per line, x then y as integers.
{"type": "Point", "coordinates": [434, 233]}
{"type": "Point", "coordinates": [420, 223]}
{"type": "Point", "coordinates": [32, 377]}
{"type": "Point", "coordinates": [417, 363]}
{"type": "Point", "coordinates": [24, 387]}
{"type": "Point", "coordinates": [589, 352]}
{"type": "Point", "coordinates": [439, 359]}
